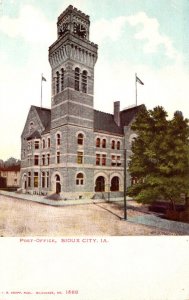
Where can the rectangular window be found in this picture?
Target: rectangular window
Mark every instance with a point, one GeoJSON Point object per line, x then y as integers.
{"type": "Point", "coordinates": [57, 82]}
{"type": "Point", "coordinates": [103, 159]}
{"type": "Point", "coordinates": [36, 144]}
{"type": "Point", "coordinates": [36, 160]}
{"type": "Point", "coordinates": [113, 160]}
{"type": "Point", "coordinates": [43, 179]}
{"type": "Point", "coordinates": [36, 179]}
{"type": "Point", "coordinates": [98, 159]}
{"type": "Point", "coordinates": [47, 179]}
{"type": "Point", "coordinates": [118, 161]}
{"type": "Point", "coordinates": [29, 145]}
{"type": "Point", "coordinates": [58, 157]}
{"type": "Point", "coordinates": [29, 160]}
{"type": "Point", "coordinates": [48, 159]}
{"type": "Point", "coordinates": [79, 157]}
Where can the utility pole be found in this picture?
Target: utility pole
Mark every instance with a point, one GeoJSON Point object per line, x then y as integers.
{"type": "Point", "coordinates": [125, 184]}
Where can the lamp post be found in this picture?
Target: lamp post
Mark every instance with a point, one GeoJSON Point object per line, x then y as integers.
{"type": "Point", "coordinates": [125, 184]}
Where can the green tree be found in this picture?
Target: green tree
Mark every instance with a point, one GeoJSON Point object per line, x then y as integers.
{"type": "Point", "coordinates": [160, 158]}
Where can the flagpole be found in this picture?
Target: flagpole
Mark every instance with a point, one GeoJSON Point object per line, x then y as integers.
{"type": "Point", "coordinates": [136, 87]}
{"type": "Point", "coordinates": [41, 89]}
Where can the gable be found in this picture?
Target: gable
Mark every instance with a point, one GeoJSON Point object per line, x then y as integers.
{"type": "Point", "coordinates": [33, 117]}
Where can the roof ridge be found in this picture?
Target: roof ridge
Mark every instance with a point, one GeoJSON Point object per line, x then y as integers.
{"type": "Point", "coordinates": [44, 108]}
{"type": "Point", "coordinates": [103, 112]}
{"type": "Point", "coordinates": [133, 107]}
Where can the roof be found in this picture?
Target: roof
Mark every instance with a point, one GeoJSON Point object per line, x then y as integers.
{"type": "Point", "coordinates": [105, 122]}
{"type": "Point", "coordinates": [15, 168]}
{"type": "Point", "coordinates": [45, 117]}
{"type": "Point", "coordinates": [102, 121]}
{"type": "Point", "coordinates": [127, 115]}
{"type": "Point", "coordinates": [34, 135]}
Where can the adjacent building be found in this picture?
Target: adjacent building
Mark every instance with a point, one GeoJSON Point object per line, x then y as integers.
{"type": "Point", "coordinates": [10, 176]}
{"type": "Point", "coordinates": [73, 149]}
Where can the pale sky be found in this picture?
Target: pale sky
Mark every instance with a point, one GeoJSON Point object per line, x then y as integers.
{"type": "Point", "coordinates": [148, 37]}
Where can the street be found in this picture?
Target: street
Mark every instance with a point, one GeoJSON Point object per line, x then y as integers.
{"type": "Point", "coordinates": [26, 218]}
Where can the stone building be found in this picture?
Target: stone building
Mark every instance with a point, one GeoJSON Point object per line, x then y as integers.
{"type": "Point", "coordinates": [73, 149]}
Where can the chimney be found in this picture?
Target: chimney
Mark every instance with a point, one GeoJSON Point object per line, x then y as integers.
{"type": "Point", "coordinates": [117, 112]}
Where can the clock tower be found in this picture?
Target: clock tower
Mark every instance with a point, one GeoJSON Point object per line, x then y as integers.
{"type": "Point", "coordinates": [72, 58]}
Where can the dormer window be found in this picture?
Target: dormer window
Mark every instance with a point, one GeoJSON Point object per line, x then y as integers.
{"type": "Point", "coordinates": [31, 126]}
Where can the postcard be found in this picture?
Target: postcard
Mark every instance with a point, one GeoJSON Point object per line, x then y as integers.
{"type": "Point", "coordinates": [94, 150]}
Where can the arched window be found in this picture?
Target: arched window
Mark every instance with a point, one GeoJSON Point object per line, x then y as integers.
{"type": "Point", "coordinates": [114, 184]}
{"type": "Point", "coordinates": [77, 78]}
{"type": "Point", "coordinates": [62, 79]}
{"type": "Point", "coordinates": [80, 139]}
{"type": "Point", "coordinates": [49, 142]}
{"type": "Point", "coordinates": [113, 144]}
{"type": "Point", "coordinates": [58, 139]}
{"type": "Point", "coordinates": [104, 143]}
{"type": "Point", "coordinates": [57, 177]}
{"type": "Point", "coordinates": [79, 179]}
{"type": "Point", "coordinates": [57, 82]}
{"type": "Point", "coordinates": [43, 159]}
{"type": "Point", "coordinates": [118, 145]}
{"type": "Point", "coordinates": [100, 184]}
{"type": "Point", "coordinates": [84, 81]}
{"type": "Point", "coordinates": [98, 142]}
{"type": "Point", "coordinates": [43, 144]}
{"type": "Point", "coordinates": [58, 185]}
{"type": "Point", "coordinates": [29, 179]}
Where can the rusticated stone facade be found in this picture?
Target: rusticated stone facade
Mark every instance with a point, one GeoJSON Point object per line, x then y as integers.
{"type": "Point", "coordinates": [72, 149]}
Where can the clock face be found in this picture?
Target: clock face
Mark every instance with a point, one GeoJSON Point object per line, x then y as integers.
{"type": "Point", "coordinates": [62, 28]}
{"type": "Point", "coordinates": [80, 30]}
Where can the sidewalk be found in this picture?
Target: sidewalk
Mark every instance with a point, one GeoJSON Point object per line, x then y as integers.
{"type": "Point", "coordinates": [155, 221]}
{"type": "Point", "coordinates": [44, 200]}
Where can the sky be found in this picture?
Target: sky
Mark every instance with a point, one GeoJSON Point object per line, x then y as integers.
{"type": "Point", "coordinates": [148, 37]}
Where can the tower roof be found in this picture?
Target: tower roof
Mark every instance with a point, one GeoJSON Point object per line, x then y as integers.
{"type": "Point", "coordinates": [71, 9]}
